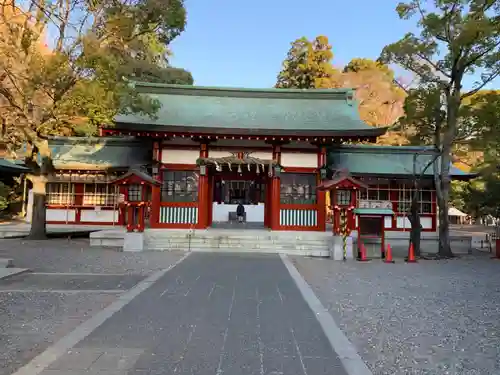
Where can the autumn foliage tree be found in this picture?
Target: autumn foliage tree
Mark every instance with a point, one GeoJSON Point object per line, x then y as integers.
{"type": "Point", "coordinates": [380, 99]}
{"type": "Point", "coordinates": [457, 38]}
{"type": "Point", "coordinates": [308, 65]}
{"type": "Point", "coordinates": [82, 78]}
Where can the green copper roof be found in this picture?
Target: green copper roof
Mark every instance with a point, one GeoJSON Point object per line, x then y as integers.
{"type": "Point", "coordinates": [99, 153]}
{"type": "Point", "coordinates": [263, 111]}
{"type": "Point", "coordinates": [386, 160]}
{"type": "Point", "coordinates": [373, 211]}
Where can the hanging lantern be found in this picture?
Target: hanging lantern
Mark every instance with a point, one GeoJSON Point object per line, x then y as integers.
{"type": "Point", "coordinates": [203, 170]}
{"type": "Point", "coordinates": [323, 172]}
{"type": "Point", "coordinates": [277, 170]}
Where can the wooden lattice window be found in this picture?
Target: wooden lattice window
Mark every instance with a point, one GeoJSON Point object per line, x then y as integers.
{"type": "Point", "coordinates": [60, 193]}
{"type": "Point", "coordinates": [179, 186]}
{"type": "Point", "coordinates": [298, 188]}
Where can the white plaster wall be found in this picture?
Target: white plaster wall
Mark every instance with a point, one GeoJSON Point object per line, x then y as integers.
{"type": "Point", "coordinates": [55, 214]}
{"type": "Point", "coordinates": [218, 154]}
{"type": "Point", "coordinates": [173, 156]}
{"type": "Point", "coordinates": [303, 160]}
{"type": "Point", "coordinates": [263, 155]}
{"type": "Point", "coordinates": [93, 216]}
{"type": "Point", "coordinates": [255, 213]}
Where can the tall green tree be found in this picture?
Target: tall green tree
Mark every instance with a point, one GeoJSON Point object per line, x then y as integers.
{"type": "Point", "coordinates": [457, 38]}
{"type": "Point", "coordinates": [80, 79]}
{"type": "Point", "coordinates": [308, 65]}
{"type": "Point", "coordinates": [483, 197]}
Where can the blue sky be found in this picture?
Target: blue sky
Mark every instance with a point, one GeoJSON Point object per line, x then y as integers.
{"type": "Point", "coordinates": [243, 43]}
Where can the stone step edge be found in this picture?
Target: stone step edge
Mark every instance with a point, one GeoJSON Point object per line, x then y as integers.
{"type": "Point", "coordinates": [316, 253]}
{"type": "Point", "coordinates": [235, 245]}
{"type": "Point", "coordinates": [6, 263]}
{"type": "Point", "coordinates": [239, 243]}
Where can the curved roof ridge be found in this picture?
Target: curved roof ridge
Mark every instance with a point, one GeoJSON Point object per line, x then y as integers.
{"type": "Point", "coordinates": [384, 148]}
{"type": "Point", "coordinates": [166, 88]}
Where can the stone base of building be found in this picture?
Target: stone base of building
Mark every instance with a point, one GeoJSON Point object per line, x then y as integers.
{"type": "Point", "coordinates": [314, 244]}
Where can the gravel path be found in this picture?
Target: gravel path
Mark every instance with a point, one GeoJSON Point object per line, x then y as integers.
{"type": "Point", "coordinates": [31, 322]}
{"type": "Point", "coordinates": [427, 318]}
{"type": "Point", "coordinates": [61, 255]}
{"type": "Point", "coordinates": [38, 309]}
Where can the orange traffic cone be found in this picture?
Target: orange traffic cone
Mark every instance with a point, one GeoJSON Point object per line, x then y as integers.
{"type": "Point", "coordinates": [362, 253]}
{"type": "Point", "coordinates": [411, 255]}
{"type": "Point", "coordinates": [388, 255]}
{"type": "Point", "coordinates": [497, 249]}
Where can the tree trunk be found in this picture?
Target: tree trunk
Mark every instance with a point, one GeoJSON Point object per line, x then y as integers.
{"type": "Point", "coordinates": [444, 228]}
{"type": "Point", "coordinates": [443, 197]}
{"type": "Point", "coordinates": [39, 211]}
{"type": "Point", "coordinates": [416, 227]}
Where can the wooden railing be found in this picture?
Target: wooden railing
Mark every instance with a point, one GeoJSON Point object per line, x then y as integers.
{"type": "Point", "coordinates": [298, 217]}
{"type": "Point", "coordinates": [178, 215]}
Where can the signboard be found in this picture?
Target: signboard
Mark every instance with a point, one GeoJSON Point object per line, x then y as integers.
{"type": "Point", "coordinates": [375, 204]}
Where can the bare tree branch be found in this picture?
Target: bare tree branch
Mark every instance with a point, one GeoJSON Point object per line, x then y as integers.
{"type": "Point", "coordinates": [485, 81]}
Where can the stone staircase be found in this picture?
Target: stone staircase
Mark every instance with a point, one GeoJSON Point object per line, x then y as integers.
{"type": "Point", "coordinates": [255, 241]}
{"type": "Point", "coordinates": [315, 244]}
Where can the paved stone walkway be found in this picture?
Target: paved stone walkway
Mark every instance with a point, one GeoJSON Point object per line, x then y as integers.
{"type": "Point", "coordinates": [212, 314]}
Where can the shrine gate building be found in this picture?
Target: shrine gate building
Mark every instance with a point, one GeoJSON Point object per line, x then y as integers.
{"type": "Point", "coordinates": [208, 149]}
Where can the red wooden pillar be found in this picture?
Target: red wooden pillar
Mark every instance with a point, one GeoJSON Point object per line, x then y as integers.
{"type": "Point", "coordinates": [154, 213]}
{"type": "Point", "coordinates": [122, 207]}
{"type": "Point", "coordinates": [210, 200]}
{"type": "Point", "coordinates": [79, 190]}
{"type": "Point", "coordinates": [267, 202]}
{"type": "Point", "coordinates": [434, 210]}
{"type": "Point", "coordinates": [336, 212]}
{"type": "Point", "coordinates": [275, 203]}
{"type": "Point", "coordinates": [351, 216]}
{"type": "Point", "coordinates": [154, 217]}
{"type": "Point", "coordinates": [274, 198]}
{"type": "Point", "coordinates": [321, 195]}
{"type": "Point", "coordinates": [130, 217]}
{"type": "Point", "coordinates": [394, 197]}
{"type": "Point", "coordinates": [203, 192]}
{"type": "Point", "coordinates": [140, 218]}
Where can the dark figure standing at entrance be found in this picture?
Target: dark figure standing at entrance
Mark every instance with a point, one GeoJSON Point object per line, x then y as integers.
{"type": "Point", "coordinates": [240, 212]}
